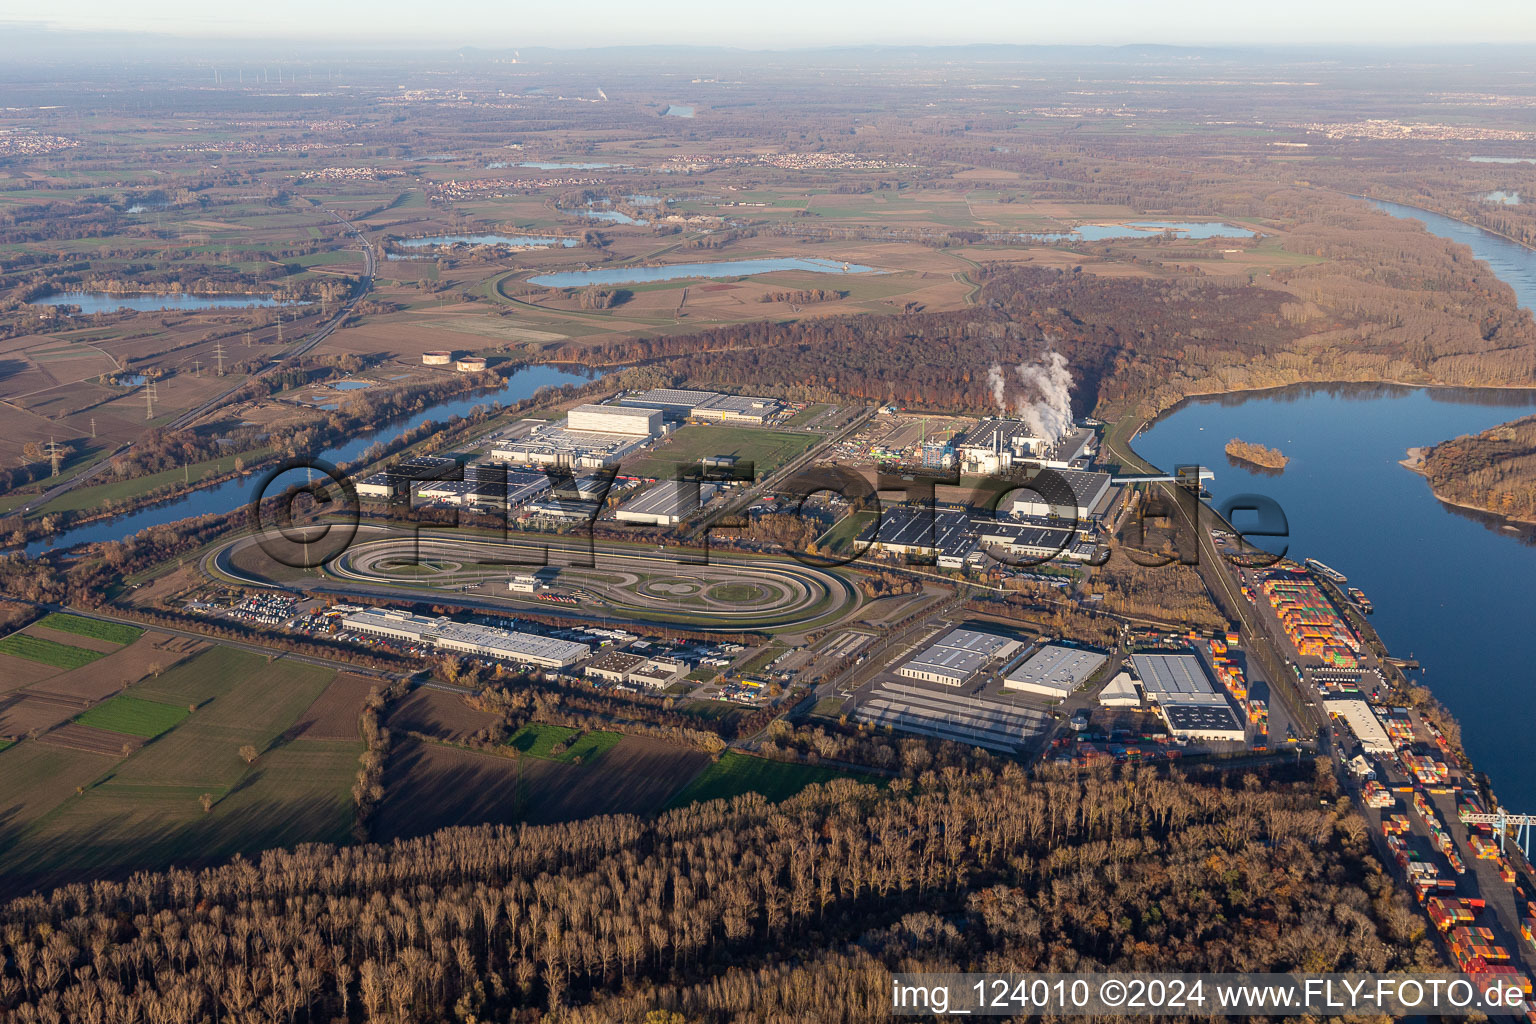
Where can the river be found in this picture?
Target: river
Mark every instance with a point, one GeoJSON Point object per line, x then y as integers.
{"type": "Point", "coordinates": [1454, 588]}
{"type": "Point", "coordinates": [238, 492]}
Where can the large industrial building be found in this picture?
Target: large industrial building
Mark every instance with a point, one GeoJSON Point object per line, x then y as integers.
{"type": "Point", "coordinates": [916, 530]}
{"type": "Point", "coordinates": [396, 480]}
{"type": "Point", "coordinates": [971, 720]}
{"type": "Point", "coordinates": [1183, 693]}
{"type": "Point", "coordinates": [994, 445]}
{"type": "Point", "coordinates": [706, 405]}
{"type": "Point", "coordinates": [1088, 491]}
{"type": "Point", "coordinates": [1016, 543]}
{"type": "Point", "coordinates": [956, 657]}
{"type": "Point", "coordinates": [1054, 671]}
{"type": "Point", "coordinates": [562, 447]}
{"type": "Point", "coordinates": [1358, 717]}
{"type": "Point", "coordinates": [952, 536]}
{"type": "Point", "coordinates": [490, 486]}
{"type": "Point", "coordinates": [615, 419]}
{"type": "Point", "coordinates": [466, 637]}
{"type": "Point", "coordinates": [667, 503]}
{"type": "Point", "coordinates": [624, 668]}
{"type": "Point", "coordinates": [997, 445]}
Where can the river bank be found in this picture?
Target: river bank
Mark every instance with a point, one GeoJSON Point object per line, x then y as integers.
{"type": "Point", "coordinates": [1416, 463]}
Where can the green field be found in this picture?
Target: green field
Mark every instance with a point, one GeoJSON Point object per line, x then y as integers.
{"type": "Point", "coordinates": [209, 674]}
{"type": "Point", "coordinates": [146, 811]}
{"type": "Point", "coordinates": [35, 648]}
{"type": "Point", "coordinates": [736, 773]}
{"type": "Point", "coordinates": [765, 449]}
{"type": "Point", "coordinates": [807, 414]}
{"type": "Point", "coordinates": [538, 740]}
{"type": "Point", "coordinates": [6, 743]}
{"type": "Point", "coordinates": [112, 632]}
{"type": "Point", "coordinates": [590, 747]}
{"type": "Point", "coordinates": [134, 716]}
{"type": "Point", "coordinates": [260, 700]}
{"type": "Point", "coordinates": [841, 537]}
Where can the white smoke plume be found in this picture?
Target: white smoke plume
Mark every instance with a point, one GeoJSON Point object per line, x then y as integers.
{"type": "Point", "coordinates": [1049, 416]}
{"type": "Point", "coordinates": [996, 381]}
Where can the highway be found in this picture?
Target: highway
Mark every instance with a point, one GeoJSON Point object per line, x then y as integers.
{"type": "Point", "coordinates": [192, 415]}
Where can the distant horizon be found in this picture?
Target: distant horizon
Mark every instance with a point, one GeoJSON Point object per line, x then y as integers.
{"type": "Point", "coordinates": [794, 25]}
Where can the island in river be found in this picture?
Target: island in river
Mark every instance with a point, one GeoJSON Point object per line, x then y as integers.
{"type": "Point", "coordinates": [1494, 471]}
{"type": "Point", "coordinates": [1256, 454]}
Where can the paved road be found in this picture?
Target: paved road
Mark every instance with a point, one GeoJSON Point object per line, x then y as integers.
{"type": "Point", "coordinates": [192, 415]}
{"type": "Point", "coordinates": [844, 597]}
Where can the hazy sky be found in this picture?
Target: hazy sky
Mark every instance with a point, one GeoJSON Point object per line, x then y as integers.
{"type": "Point", "coordinates": [567, 23]}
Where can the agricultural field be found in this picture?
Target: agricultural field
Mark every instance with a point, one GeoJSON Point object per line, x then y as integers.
{"type": "Point", "coordinates": [133, 716]}
{"type": "Point", "coordinates": [438, 714]}
{"type": "Point", "coordinates": [112, 632]}
{"type": "Point", "coordinates": [46, 652]}
{"type": "Point", "coordinates": [737, 773]}
{"type": "Point", "coordinates": [144, 809]}
{"type": "Point", "coordinates": [431, 785]}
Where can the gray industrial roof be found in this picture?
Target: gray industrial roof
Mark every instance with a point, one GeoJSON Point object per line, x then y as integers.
{"type": "Point", "coordinates": [1176, 679]}
{"type": "Point", "coordinates": [960, 652]}
{"type": "Point", "coordinates": [669, 498]}
{"type": "Point", "coordinates": [1201, 717]}
{"type": "Point", "coordinates": [1063, 668]}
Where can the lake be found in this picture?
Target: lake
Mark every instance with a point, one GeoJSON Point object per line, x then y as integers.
{"type": "Point", "coordinates": [1502, 159]}
{"type": "Point", "coordinates": [1147, 229]}
{"type": "Point", "coordinates": [1502, 198]}
{"type": "Point", "coordinates": [1452, 587]}
{"type": "Point", "coordinates": [541, 165]}
{"type": "Point", "coordinates": [679, 271]}
{"type": "Point", "coordinates": [677, 111]}
{"type": "Point", "coordinates": [432, 241]}
{"type": "Point", "coordinates": [238, 492]}
{"type": "Point", "coordinates": [105, 302]}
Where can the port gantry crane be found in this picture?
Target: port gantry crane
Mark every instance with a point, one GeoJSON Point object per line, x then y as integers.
{"type": "Point", "coordinates": [1502, 820]}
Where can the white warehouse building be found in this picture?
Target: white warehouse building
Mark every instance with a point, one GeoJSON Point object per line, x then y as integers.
{"type": "Point", "coordinates": [615, 419]}
{"type": "Point", "coordinates": [956, 657]}
{"type": "Point", "coordinates": [1054, 671]}
{"type": "Point", "coordinates": [467, 637]}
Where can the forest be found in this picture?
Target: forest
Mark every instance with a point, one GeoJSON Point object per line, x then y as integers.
{"type": "Point", "coordinates": [738, 910]}
{"type": "Point", "coordinates": [1494, 471]}
{"type": "Point", "coordinates": [1385, 301]}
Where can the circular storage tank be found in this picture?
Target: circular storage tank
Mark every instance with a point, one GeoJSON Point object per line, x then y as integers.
{"type": "Point", "coordinates": [471, 364]}
{"type": "Point", "coordinates": [437, 357]}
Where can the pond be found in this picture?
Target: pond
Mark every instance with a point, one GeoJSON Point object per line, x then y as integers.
{"type": "Point", "coordinates": [680, 271]}
{"type": "Point", "coordinates": [520, 241]}
{"type": "Point", "coordinates": [1147, 229]}
{"type": "Point", "coordinates": [1502, 198]}
{"type": "Point", "coordinates": [107, 302]}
